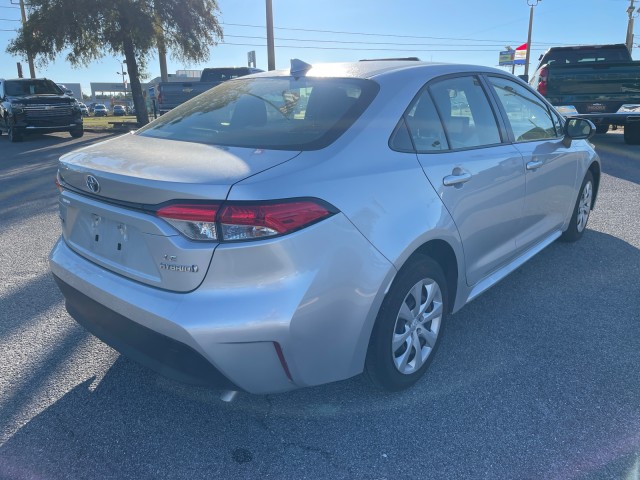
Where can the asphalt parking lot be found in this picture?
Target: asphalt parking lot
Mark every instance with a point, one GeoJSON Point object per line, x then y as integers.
{"type": "Point", "coordinates": [537, 378]}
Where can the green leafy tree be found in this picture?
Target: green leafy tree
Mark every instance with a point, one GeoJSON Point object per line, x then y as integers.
{"type": "Point", "coordinates": [88, 30]}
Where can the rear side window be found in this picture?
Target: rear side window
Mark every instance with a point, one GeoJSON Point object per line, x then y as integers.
{"type": "Point", "coordinates": [466, 112]}
{"type": "Point", "coordinates": [282, 113]}
{"type": "Point", "coordinates": [528, 116]}
{"type": "Point", "coordinates": [424, 125]}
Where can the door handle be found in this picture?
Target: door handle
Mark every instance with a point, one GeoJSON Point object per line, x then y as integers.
{"type": "Point", "coordinates": [456, 179]}
{"type": "Point", "coordinates": [534, 164]}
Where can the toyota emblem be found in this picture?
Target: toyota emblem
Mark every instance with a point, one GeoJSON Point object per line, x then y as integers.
{"type": "Point", "coordinates": [93, 184]}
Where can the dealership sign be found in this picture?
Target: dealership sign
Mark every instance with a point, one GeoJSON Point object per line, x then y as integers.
{"type": "Point", "coordinates": [513, 57]}
{"type": "Point", "coordinates": [506, 58]}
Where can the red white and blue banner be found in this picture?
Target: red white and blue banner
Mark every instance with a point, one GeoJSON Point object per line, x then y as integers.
{"type": "Point", "coordinates": [520, 55]}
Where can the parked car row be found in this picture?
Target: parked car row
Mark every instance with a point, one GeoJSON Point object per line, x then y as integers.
{"type": "Point", "coordinates": [101, 110]}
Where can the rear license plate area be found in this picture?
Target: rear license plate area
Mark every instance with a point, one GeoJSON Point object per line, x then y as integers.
{"type": "Point", "coordinates": [596, 107]}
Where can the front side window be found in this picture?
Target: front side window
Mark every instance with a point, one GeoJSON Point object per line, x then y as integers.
{"type": "Point", "coordinates": [282, 113]}
{"type": "Point", "coordinates": [529, 117]}
{"type": "Point", "coordinates": [466, 112]}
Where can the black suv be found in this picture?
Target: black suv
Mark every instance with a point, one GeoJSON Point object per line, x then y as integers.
{"type": "Point", "coordinates": [37, 105]}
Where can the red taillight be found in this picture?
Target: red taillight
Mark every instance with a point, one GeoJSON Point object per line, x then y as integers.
{"type": "Point", "coordinates": [542, 81]}
{"type": "Point", "coordinates": [246, 221]}
{"type": "Point", "coordinates": [243, 220]}
{"type": "Point", "coordinates": [192, 212]}
{"type": "Point", "coordinates": [58, 184]}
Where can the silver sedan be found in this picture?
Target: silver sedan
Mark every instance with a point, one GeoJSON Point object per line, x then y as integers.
{"type": "Point", "coordinates": [299, 227]}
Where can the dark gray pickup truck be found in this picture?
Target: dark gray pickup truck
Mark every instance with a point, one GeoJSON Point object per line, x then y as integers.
{"type": "Point", "coordinates": [598, 82]}
{"type": "Point", "coordinates": [37, 105]}
{"type": "Point", "coordinates": [171, 94]}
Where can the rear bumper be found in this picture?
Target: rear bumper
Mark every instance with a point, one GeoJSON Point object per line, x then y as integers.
{"type": "Point", "coordinates": [163, 354]}
{"type": "Point", "coordinates": [270, 316]}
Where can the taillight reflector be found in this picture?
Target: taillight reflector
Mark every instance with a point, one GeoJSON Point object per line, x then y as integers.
{"type": "Point", "coordinates": [195, 221]}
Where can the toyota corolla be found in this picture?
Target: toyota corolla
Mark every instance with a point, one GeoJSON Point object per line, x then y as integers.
{"type": "Point", "coordinates": [299, 227]}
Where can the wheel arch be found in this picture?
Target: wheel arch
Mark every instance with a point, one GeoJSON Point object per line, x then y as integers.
{"type": "Point", "coordinates": [442, 253]}
{"type": "Point", "coordinates": [594, 168]}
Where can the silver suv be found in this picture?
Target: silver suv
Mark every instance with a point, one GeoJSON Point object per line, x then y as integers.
{"type": "Point", "coordinates": [299, 227]}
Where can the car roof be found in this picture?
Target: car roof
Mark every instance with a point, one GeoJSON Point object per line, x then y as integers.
{"type": "Point", "coordinates": [23, 79]}
{"type": "Point", "coordinates": [374, 68]}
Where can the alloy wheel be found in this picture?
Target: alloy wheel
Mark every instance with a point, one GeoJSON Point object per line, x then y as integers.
{"type": "Point", "coordinates": [584, 206]}
{"type": "Point", "coordinates": [417, 326]}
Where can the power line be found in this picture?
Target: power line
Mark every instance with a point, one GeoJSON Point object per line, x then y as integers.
{"type": "Point", "coordinates": [383, 34]}
{"type": "Point", "coordinates": [369, 43]}
{"type": "Point", "coordinates": [365, 49]}
{"type": "Point", "coordinates": [9, 20]}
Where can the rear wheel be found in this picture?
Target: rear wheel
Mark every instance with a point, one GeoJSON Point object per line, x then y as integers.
{"type": "Point", "coordinates": [632, 134]}
{"type": "Point", "coordinates": [409, 324]}
{"type": "Point", "coordinates": [581, 211]}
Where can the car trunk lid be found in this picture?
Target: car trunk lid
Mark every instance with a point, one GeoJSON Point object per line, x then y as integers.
{"type": "Point", "coordinates": [111, 191]}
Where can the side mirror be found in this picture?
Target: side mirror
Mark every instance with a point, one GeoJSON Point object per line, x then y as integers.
{"type": "Point", "coordinates": [578, 129]}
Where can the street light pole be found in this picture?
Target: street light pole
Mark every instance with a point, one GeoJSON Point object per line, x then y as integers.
{"type": "Point", "coordinates": [630, 11]}
{"type": "Point", "coordinates": [123, 73]}
{"type": "Point", "coordinates": [531, 3]}
{"type": "Point", "coordinates": [32, 69]}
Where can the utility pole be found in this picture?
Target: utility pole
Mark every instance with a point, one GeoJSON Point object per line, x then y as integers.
{"type": "Point", "coordinates": [531, 3]}
{"type": "Point", "coordinates": [630, 11]}
{"type": "Point", "coordinates": [32, 69]}
{"type": "Point", "coordinates": [271, 55]}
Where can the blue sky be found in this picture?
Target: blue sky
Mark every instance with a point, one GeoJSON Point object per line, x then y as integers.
{"type": "Point", "coordinates": [330, 30]}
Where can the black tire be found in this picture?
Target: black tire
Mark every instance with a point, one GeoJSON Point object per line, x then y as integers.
{"type": "Point", "coordinates": [14, 135]}
{"type": "Point", "coordinates": [602, 128]}
{"type": "Point", "coordinates": [632, 134]}
{"type": "Point", "coordinates": [384, 362]}
{"type": "Point", "coordinates": [581, 210]}
{"type": "Point", "coordinates": [76, 133]}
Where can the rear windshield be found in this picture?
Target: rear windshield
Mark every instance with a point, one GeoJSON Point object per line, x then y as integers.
{"type": "Point", "coordinates": [281, 113]}
{"type": "Point", "coordinates": [603, 55]}
{"type": "Point", "coordinates": [19, 88]}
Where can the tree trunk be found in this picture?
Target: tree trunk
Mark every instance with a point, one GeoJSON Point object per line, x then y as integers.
{"type": "Point", "coordinates": [136, 88]}
{"type": "Point", "coordinates": [162, 56]}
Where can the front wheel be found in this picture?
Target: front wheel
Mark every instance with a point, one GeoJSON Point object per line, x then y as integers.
{"type": "Point", "coordinates": [408, 326]}
{"type": "Point", "coordinates": [14, 135]}
{"type": "Point", "coordinates": [581, 211]}
{"type": "Point", "coordinates": [77, 132]}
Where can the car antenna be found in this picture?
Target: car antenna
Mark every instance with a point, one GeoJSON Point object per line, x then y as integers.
{"type": "Point", "coordinates": [299, 68]}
